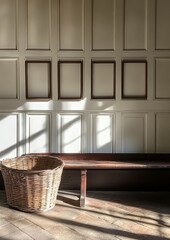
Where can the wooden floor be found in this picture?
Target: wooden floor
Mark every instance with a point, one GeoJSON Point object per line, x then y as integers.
{"type": "Point", "coordinates": [107, 216]}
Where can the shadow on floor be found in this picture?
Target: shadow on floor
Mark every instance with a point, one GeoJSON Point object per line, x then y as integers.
{"type": "Point", "coordinates": [154, 201]}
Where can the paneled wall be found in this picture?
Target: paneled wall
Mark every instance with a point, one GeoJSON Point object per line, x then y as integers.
{"type": "Point", "coordinates": [84, 76]}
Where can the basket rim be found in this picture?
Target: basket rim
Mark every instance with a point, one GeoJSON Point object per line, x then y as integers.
{"type": "Point", "coordinates": [31, 171]}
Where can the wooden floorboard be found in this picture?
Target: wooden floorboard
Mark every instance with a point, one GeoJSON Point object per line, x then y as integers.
{"type": "Point", "coordinates": [107, 216]}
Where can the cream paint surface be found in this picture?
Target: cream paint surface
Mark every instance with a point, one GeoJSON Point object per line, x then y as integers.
{"type": "Point", "coordinates": [87, 31]}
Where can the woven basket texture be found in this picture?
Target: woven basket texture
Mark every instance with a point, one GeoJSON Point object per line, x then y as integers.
{"type": "Point", "coordinates": [32, 182]}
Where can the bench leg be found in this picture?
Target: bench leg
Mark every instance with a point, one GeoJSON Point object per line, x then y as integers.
{"type": "Point", "coordinates": [83, 188]}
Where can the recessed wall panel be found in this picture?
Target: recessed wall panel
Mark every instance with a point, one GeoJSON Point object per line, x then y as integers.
{"type": "Point", "coordinates": [8, 79]}
{"type": "Point", "coordinates": [103, 80]}
{"type": "Point", "coordinates": [162, 78]}
{"type": "Point", "coordinates": [38, 133]}
{"type": "Point", "coordinates": [70, 133]}
{"type": "Point", "coordinates": [8, 24]}
{"type": "Point", "coordinates": [135, 24]}
{"type": "Point", "coordinates": [134, 79]}
{"type": "Point", "coordinates": [71, 24]}
{"type": "Point", "coordinates": [38, 24]}
{"type": "Point", "coordinates": [102, 133]}
{"type": "Point", "coordinates": [70, 79]}
{"type": "Point", "coordinates": [38, 79]}
{"type": "Point", "coordinates": [162, 24]}
{"type": "Point", "coordinates": [163, 132]}
{"type": "Point", "coordinates": [9, 135]}
{"type": "Point", "coordinates": [134, 133]}
{"type": "Point", "coordinates": [103, 24]}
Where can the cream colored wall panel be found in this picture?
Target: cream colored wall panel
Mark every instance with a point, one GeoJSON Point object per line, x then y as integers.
{"type": "Point", "coordinates": [103, 24]}
{"type": "Point", "coordinates": [8, 24]}
{"type": "Point", "coordinates": [70, 127]}
{"type": "Point", "coordinates": [38, 133]}
{"type": "Point", "coordinates": [103, 79]}
{"type": "Point", "coordinates": [162, 24]}
{"type": "Point", "coordinates": [71, 24]}
{"type": "Point", "coordinates": [9, 135]}
{"type": "Point", "coordinates": [70, 79]}
{"type": "Point", "coordinates": [162, 78]}
{"type": "Point", "coordinates": [101, 108]}
{"type": "Point", "coordinates": [134, 133]}
{"type": "Point", "coordinates": [163, 132]}
{"type": "Point", "coordinates": [135, 24]}
{"type": "Point", "coordinates": [134, 79]}
{"type": "Point", "coordinates": [102, 133]}
{"type": "Point", "coordinates": [38, 79]}
{"type": "Point", "coordinates": [8, 78]}
{"type": "Point", "coordinates": [38, 24]}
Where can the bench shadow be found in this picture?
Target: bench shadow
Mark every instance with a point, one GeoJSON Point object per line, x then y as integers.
{"type": "Point", "coordinates": [70, 197]}
{"type": "Point", "coordinates": [154, 201]}
{"type": "Point", "coordinates": [150, 200]}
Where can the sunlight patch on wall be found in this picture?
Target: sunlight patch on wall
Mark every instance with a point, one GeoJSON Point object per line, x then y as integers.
{"type": "Point", "coordinates": [70, 133]}
{"type": "Point", "coordinates": [102, 133]}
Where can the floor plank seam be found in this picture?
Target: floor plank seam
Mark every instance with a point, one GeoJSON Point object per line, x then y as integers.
{"type": "Point", "coordinates": [20, 229]}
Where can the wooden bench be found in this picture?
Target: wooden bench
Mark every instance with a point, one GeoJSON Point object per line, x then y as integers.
{"type": "Point", "coordinates": [111, 161]}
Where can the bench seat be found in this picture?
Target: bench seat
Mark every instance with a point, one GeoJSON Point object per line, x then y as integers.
{"type": "Point", "coordinates": [92, 164]}
{"type": "Point", "coordinates": [109, 161]}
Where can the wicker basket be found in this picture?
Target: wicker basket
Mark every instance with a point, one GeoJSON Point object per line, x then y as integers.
{"type": "Point", "coordinates": [32, 182]}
